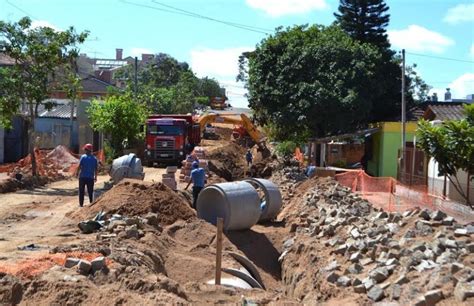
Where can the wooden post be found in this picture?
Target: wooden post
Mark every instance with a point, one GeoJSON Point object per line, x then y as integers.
{"type": "Point", "coordinates": [220, 225]}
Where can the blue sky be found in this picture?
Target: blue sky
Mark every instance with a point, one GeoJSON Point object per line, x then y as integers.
{"type": "Point", "coordinates": [428, 29]}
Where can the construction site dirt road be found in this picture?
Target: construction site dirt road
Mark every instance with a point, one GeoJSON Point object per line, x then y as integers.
{"type": "Point", "coordinates": [327, 245]}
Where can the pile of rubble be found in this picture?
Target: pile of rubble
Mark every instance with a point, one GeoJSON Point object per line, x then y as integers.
{"type": "Point", "coordinates": [340, 242]}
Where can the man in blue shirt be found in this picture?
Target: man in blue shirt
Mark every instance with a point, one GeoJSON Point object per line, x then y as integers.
{"type": "Point", "coordinates": [198, 178]}
{"type": "Point", "coordinates": [88, 166]}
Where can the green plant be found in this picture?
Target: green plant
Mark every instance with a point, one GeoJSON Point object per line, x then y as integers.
{"type": "Point", "coordinates": [286, 148]}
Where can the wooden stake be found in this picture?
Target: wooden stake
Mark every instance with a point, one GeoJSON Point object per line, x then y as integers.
{"type": "Point", "coordinates": [220, 225]}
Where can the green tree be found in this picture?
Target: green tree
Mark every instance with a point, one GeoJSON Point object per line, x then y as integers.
{"type": "Point", "coordinates": [310, 81]}
{"type": "Point", "coordinates": [120, 118]}
{"type": "Point", "coordinates": [365, 20]}
{"type": "Point", "coordinates": [38, 54]}
{"type": "Point", "coordinates": [166, 85]}
{"type": "Point", "coordinates": [451, 144]}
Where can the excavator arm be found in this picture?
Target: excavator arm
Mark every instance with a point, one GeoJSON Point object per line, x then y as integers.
{"type": "Point", "coordinates": [244, 121]}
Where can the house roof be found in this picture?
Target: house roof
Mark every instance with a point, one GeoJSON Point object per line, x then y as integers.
{"type": "Point", "coordinates": [92, 84]}
{"type": "Point", "coordinates": [446, 111]}
{"type": "Point", "coordinates": [61, 111]}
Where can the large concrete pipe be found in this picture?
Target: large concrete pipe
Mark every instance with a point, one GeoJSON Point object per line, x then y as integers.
{"type": "Point", "coordinates": [126, 166]}
{"type": "Point", "coordinates": [236, 202]}
{"type": "Point", "coordinates": [271, 196]}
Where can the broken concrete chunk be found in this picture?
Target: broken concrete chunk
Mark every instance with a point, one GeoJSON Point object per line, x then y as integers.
{"type": "Point", "coordinates": [343, 281]}
{"type": "Point", "coordinates": [448, 221]}
{"type": "Point", "coordinates": [455, 267]}
{"type": "Point", "coordinates": [419, 301]}
{"type": "Point", "coordinates": [84, 266]}
{"type": "Point", "coordinates": [71, 262]}
{"type": "Point", "coordinates": [332, 277]}
{"type": "Point", "coordinates": [356, 282]}
{"type": "Point", "coordinates": [355, 233]}
{"type": "Point", "coordinates": [98, 264]}
{"type": "Point", "coordinates": [438, 215]}
{"type": "Point", "coordinates": [355, 257]}
{"type": "Point", "coordinates": [396, 292]}
{"type": "Point", "coordinates": [376, 293]}
{"type": "Point", "coordinates": [460, 232]}
{"type": "Point", "coordinates": [463, 290]}
{"type": "Point", "coordinates": [424, 214]}
{"type": "Point", "coordinates": [402, 279]}
{"type": "Point", "coordinates": [470, 247]}
{"type": "Point", "coordinates": [379, 274]}
{"type": "Point", "coordinates": [359, 289]}
{"type": "Point", "coordinates": [432, 297]}
{"type": "Point", "coordinates": [354, 269]}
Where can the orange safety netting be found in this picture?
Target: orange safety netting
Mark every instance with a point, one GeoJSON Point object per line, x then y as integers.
{"type": "Point", "coordinates": [392, 196]}
{"type": "Point", "coordinates": [35, 265]}
{"type": "Point", "coordinates": [50, 163]}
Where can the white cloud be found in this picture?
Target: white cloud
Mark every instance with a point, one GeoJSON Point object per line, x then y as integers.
{"type": "Point", "coordinates": [277, 8]}
{"type": "Point", "coordinates": [460, 13]}
{"type": "Point", "coordinates": [139, 51]}
{"type": "Point", "coordinates": [463, 86]}
{"type": "Point", "coordinates": [217, 62]}
{"type": "Point", "coordinates": [43, 24]}
{"type": "Point", "coordinates": [460, 87]}
{"type": "Point", "coordinates": [417, 38]}
{"type": "Point", "coordinates": [222, 64]}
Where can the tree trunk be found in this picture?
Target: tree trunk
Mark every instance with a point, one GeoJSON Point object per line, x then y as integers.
{"type": "Point", "coordinates": [32, 140]}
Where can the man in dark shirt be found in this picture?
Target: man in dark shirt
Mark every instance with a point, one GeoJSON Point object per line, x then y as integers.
{"type": "Point", "coordinates": [198, 178]}
{"type": "Point", "coordinates": [88, 166]}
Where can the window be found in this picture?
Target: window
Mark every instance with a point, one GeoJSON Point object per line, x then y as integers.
{"type": "Point", "coordinates": [171, 130]}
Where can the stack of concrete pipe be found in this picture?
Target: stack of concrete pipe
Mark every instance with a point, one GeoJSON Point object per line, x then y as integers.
{"type": "Point", "coordinates": [239, 204]}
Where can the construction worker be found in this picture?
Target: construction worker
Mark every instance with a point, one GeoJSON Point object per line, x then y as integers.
{"type": "Point", "coordinates": [249, 158]}
{"type": "Point", "coordinates": [198, 178]}
{"type": "Point", "coordinates": [87, 171]}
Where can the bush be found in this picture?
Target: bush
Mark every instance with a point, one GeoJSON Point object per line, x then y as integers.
{"type": "Point", "coordinates": [286, 148]}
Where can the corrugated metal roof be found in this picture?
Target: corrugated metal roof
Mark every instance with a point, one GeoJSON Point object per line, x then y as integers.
{"type": "Point", "coordinates": [62, 111]}
{"type": "Point", "coordinates": [445, 111]}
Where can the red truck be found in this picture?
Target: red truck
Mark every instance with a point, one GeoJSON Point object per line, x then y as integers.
{"type": "Point", "coordinates": [170, 137]}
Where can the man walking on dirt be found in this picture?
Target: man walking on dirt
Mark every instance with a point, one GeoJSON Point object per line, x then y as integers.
{"type": "Point", "coordinates": [198, 178]}
{"type": "Point", "coordinates": [88, 166]}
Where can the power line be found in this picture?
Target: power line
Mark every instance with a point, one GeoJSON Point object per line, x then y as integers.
{"type": "Point", "coordinates": [178, 11]}
{"type": "Point", "coordinates": [21, 10]}
{"type": "Point", "coordinates": [441, 58]}
{"type": "Point", "coordinates": [209, 18]}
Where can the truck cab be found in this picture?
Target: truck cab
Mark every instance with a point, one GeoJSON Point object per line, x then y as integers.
{"type": "Point", "coordinates": [169, 138]}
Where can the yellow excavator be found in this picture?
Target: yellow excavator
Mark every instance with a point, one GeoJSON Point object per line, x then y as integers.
{"type": "Point", "coordinates": [243, 128]}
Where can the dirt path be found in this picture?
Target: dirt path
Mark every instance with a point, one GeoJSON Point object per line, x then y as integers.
{"type": "Point", "coordinates": [38, 216]}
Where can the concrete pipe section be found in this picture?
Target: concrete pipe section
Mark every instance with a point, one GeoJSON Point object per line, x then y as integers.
{"type": "Point", "coordinates": [236, 202]}
{"type": "Point", "coordinates": [126, 166]}
{"type": "Point", "coordinates": [271, 201]}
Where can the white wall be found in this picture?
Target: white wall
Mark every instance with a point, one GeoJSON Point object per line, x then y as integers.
{"type": "Point", "coordinates": [435, 183]}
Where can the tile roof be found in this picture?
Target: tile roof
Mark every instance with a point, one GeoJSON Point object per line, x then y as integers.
{"type": "Point", "coordinates": [92, 84]}
{"type": "Point", "coordinates": [446, 111]}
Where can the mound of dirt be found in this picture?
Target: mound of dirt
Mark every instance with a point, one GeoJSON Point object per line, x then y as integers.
{"type": "Point", "coordinates": [61, 156]}
{"type": "Point", "coordinates": [133, 198]}
{"type": "Point", "coordinates": [12, 184]}
{"type": "Point", "coordinates": [228, 162]}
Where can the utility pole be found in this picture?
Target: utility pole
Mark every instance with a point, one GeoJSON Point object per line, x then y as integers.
{"type": "Point", "coordinates": [404, 119]}
{"type": "Point", "coordinates": [136, 76]}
